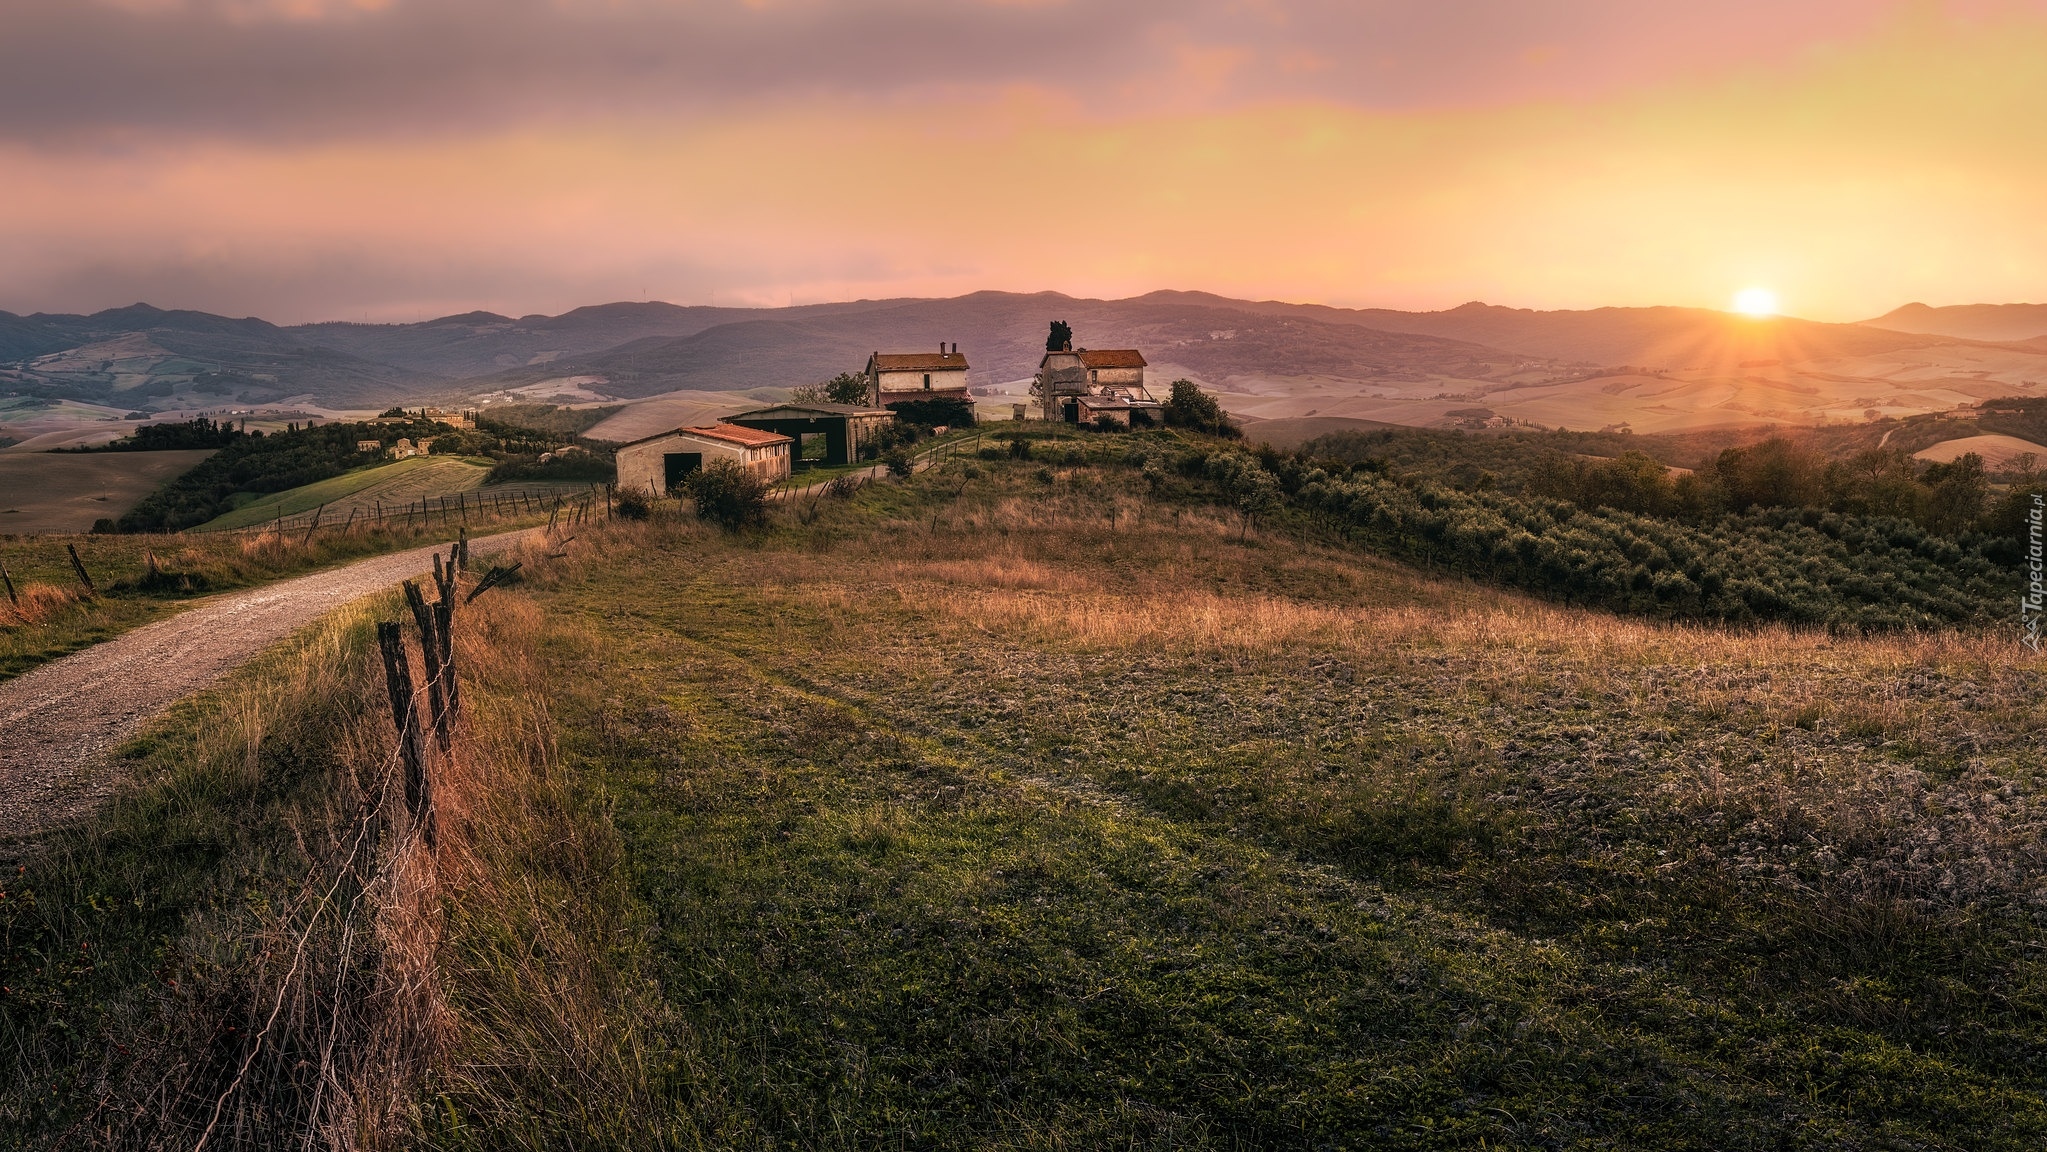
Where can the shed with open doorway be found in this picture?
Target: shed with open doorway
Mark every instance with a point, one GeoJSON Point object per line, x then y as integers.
{"type": "Point", "coordinates": [660, 463]}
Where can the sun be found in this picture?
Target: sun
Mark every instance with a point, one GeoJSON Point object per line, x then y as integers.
{"type": "Point", "coordinates": [1755, 302]}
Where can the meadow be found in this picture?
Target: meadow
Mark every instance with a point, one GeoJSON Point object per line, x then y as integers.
{"type": "Point", "coordinates": [61, 492]}
{"type": "Point", "coordinates": [390, 485]}
{"type": "Point", "coordinates": [1031, 804]}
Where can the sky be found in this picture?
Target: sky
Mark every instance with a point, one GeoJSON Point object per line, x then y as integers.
{"type": "Point", "coordinates": [403, 159]}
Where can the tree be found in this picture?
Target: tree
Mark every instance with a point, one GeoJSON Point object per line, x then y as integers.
{"type": "Point", "coordinates": [1955, 495]}
{"type": "Point", "coordinates": [1773, 474]}
{"type": "Point", "coordinates": [1061, 338]}
{"type": "Point", "coordinates": [1190, 407]}
{"type": "Point", "coordinates": [845, 388]}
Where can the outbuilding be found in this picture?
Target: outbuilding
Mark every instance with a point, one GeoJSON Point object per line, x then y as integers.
{"type": "Point", "coordinates": [825, 434]}
{"type": "Point", "coordinates": [1090, 384]}
{"type": "Point", "coordinates": [658, 464]}
{"type": "Point", "coordinates": [895, 377]}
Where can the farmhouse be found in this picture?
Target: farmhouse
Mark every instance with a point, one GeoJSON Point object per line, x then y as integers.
{"type": "Point", "coordinates": [825, 434]}
{"type": "Point", "coordinates": [1088, 385]}
{"type": "Point", "coordinates": [657, 464]}
{"type": "Point", "coordinates": [369, 445]}
{"type": "Point", "coordinates": [894, 377]}
{"type": "Point", "coordinates": [405, 449]}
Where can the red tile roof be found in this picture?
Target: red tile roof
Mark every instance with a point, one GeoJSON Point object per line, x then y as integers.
{"type": "Point", "coordinates": [920, 362]}
{"type": "Point", "coordinates": [751, 437]}
{"type": "Point", "coordinates": [1112, 358]}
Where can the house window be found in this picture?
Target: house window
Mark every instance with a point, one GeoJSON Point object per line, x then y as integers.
{"type": "Point", "coordinates": [927, 381]}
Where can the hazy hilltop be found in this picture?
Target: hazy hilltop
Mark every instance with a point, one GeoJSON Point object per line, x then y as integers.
{"type": "Point", "coordinates": [140, 357]}
{"type": "Point", "coordinates": [1003, 335]}
{"type": "Point", "coordinates": [1673, 338]}
{"type": "Point", "coordinates": [481, 343]}
{"type": "Point", "coordinates": [1998, 322]}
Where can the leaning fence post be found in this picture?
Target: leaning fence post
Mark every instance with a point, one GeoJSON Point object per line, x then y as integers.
{"type": "Point", "coordinates": [78, 566]}
{"type": "Point", "coordinates": [9, 581]}
{"type": "Point", "coordinates": [430, 651]}
{"type": "Point", "coordinates": [398, 682]}
{"type": "Point", "coordinates": [444, 621]}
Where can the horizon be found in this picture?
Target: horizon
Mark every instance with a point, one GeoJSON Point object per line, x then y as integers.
{"type": "Point", "coordinates": [1731, 311]}
{"type": "Point", "coordinates": [392, 160]}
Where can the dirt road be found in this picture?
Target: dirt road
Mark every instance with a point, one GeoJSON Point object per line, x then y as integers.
{"type": "Point", "coordinates": [59, 721]}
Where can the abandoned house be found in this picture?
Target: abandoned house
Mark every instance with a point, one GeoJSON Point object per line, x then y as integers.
{"type": "Point", "coordinates": [893, 377]}
{"type": "Point", "coordinates": [658, 464]}
{"type": "Point", "coordinates": [405, 449]}
{"type": "Point", "coordinates": [1092, 385]}
{"type": "Point", "coordinates": [824, 434]}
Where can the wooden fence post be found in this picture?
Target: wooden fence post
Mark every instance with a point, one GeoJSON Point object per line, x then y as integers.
{"type": "Point", "coordinates": [430, 650]}
{"type": "Point", "coordinates": [9, 581]}
{"type": "Point", "coordinates": [78, 566]}
{"type": "Point", "coordinates": [398, 682]}
{"type": "Point", "coordinates": [310, 527]}
{"type": "Point", "coordinates": [444, 619]}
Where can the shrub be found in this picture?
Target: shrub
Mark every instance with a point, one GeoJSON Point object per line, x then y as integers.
{"type": "Point", "coordinates": [729, 496]}
{"type": "Point", "coordinates": [631, 504]}
{"type": "Point", "coordinates": [898, 462]}
{"type": "Point", "coordinates": [943, 412]}
{"type": "Point", "coordinates": [1020, 449]}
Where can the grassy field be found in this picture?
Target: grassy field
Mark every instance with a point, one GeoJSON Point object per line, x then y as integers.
{"type": "Point", "coordinates": [1012, 807]}
{"type": "Point", "coordinates": [63, 492]}
{"type": "Point", "coordinates": [395, 484]}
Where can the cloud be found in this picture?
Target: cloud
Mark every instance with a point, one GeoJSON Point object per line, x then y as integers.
{"type": "Point", "coordinates": [1883, 174]}
{"type": "Point", "coordinates": [94, 72]}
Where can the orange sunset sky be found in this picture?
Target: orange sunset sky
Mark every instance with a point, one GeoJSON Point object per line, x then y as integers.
{"type": "Point", "coordinates": [399, 159]}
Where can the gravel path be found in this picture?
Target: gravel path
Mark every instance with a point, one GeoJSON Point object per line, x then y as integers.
{"type": "Point", "coordinates": [58, 722]}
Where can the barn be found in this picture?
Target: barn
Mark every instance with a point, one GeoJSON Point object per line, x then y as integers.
{"type": "Point", "coordinates": [657, 464]}
{"type": "Point", "coordinates": [825, 434]}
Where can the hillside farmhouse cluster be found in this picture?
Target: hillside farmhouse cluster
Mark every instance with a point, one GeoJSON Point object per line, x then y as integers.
{"type": "Point", "coordinates": [1101, 387]}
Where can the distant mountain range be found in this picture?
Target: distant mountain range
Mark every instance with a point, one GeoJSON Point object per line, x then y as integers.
{"type": "Point", "coordinates": [2003, 323]}
{"type": "Point", "coordinates": [1274, 360]}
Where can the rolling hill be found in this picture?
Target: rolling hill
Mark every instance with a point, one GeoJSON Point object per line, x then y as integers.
{"type": "Point", "coordinates": [1648, 369]}
{"type": "Point", "coordinates": [2004, 323]}
{"type": "Point", "coordinates": [149, 359]}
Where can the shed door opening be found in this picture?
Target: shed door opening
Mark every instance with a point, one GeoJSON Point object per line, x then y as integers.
{"type": "Point", "coordinates": [676, 465]}
{"type": "Point", "coordinates": [816, 447]}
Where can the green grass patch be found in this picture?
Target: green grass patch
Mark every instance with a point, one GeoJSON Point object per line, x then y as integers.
{"type": "Point", "coordinates": [397, 483]}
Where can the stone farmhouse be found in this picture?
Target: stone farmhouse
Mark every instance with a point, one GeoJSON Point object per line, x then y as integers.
{"type": "Point", "coordinates": [658, 464]}
{"type": "Point", "coordinates": [894, 377]}
{"type": "Point", "coordinates": [1092, 385]}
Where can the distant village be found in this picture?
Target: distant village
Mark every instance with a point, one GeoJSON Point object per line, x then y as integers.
{"type": "Point", "coordinates": [1094, 387]}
